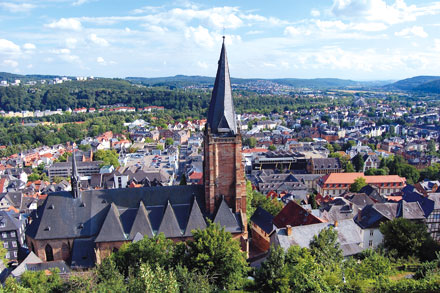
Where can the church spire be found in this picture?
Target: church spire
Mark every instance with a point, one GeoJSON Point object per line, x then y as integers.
{"type": "Point", "coordinates": [221, 115]}
{"type": "Point", "coordinates": [74, 180]}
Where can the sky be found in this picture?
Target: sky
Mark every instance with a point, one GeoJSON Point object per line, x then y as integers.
{"type": "Point", "coordinates": [350, 39]}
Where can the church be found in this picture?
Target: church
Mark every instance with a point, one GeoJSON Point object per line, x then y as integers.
{"type": "Point", "coordinates": [84, 227]}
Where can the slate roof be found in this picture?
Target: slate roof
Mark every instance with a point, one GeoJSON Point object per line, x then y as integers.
{"type": "Point", "coordinates": [348, 234]}
{"type": "Point", "coordinates": [21, 268]}
{"type": "Point", "coordinates": [221, 114]}
{"type": "Point", "coordinates": [169, 225]}
{"type": "Point", "coordinates": [195, 219]}
{"type": "Point", "coordinates": [111, 229]}
{"type": "Point", "coordinates": [263, 219]}
{"type": "Point", "coordinates": [10, 223]}
{"type": "Point", "coordinates": [227, 219]}
{"type": "Point", "coordinates": [141, 223]}
{"type": "Point", "coordinates": [326, 163]}
{"type": "Point", "coordinates": [83, 253]}
{"type": "Point", "coordinates": [62, 216]}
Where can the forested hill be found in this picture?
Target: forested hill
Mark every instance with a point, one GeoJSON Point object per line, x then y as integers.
{"type": "Point", "coordinates": [316, 83]}
{"type": "Point", "coordinates": [100, 92]}
{"type": "Point", "coordinates": [429, 84]}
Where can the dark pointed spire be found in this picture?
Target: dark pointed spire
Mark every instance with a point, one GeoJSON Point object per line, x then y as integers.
{"type": "Point", "coordinates": [74, 179]}
{"type": "Point", "coordinates": [221, 115]}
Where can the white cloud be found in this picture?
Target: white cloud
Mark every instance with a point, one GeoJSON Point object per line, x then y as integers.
{"type": "Point", "coordinates": [437, 44]}
{"type": "Point", "coordinates": [14, 7]}
{"type": "Point", "coordinates": [79, 2]}
{"type": "Point", "coordinates": [66, 23]}
{"type": "Point", "coordinates": [7, 46]}
{"type": "Point", "coordinates": [60, 51]}
{"type": "Point", "coordinates": [100, 60]}
{"type": "Point", "coordinates": [10, 63]}
{"type": "Point", "coordinates": [71, 43]}
{"type": "Point", "coordinates": [202, 64]}
{"type": "Point", "coordinates": [98, 41]}
{"type": "Point", "coordinates": [417, 31]}
{"type": "Point", "coordinates": [315, 13]}
{"type": "Point", "coordinates": [380, 10]}
{"type": "Point", "coordinates": [291, 31]}
{"type": "Point", "coordinates": [29, 46]}
{"type": "Point", "coordinates": [200, 35]}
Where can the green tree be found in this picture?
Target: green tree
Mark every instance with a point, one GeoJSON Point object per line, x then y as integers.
{"type": "Point", "coordinates": [325, 247]}
{"type": "Point", "coordinates": [358, 184]}
{"type": "Point", "coordinates": [108, 157]}
{"type": "Point", "coordinates": [3, 252]}
{"type": "Point", "coordinates": [156, 250]}
{"type": "Point", "coordinates": [373, 171]}
{"type": "Point", "coordinates": [153, 278]}
{"type": "Point", "coordinates": [169, 141]}
{"type": "Point", "coordinates": [85, 147]}
{"type": "Point", "coordinates": [408, 238]}
{"type": "Point", "coordinates": [109, 278]}
{"type": "Point", "coordinates": [358, 162]}
{"type": "Point", "coordinates": [312, 201]}
{"type": "Point", "coordinates": [183, 180]}
{"type": "Point", "coordinates": [273, 275]}
{"type": "Point", "coordinates": [215, 254]}
{"type": "Point", "coordinates": [272, 147]}
{"type": "Point", "coordinates": [33, 177]}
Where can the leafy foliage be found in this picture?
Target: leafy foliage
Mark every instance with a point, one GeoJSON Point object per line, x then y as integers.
{"type": "Point", "coordinates": [358, 184]}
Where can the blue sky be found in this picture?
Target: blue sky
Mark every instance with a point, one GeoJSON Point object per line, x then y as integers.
{"type": "Point", "coordinates": [353, 39]}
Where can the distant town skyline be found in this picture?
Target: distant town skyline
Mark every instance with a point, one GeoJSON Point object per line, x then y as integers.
{"type": "Point", "coordinates": [349, 39]}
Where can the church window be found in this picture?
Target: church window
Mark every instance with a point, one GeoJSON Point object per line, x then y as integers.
{"type": "Point", "coordinates": [49, 252]}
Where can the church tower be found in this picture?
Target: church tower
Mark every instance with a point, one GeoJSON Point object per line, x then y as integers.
{"type": "Point", "coordinates": [222, 167]}
{"type": "Point", "coordinates": [74, 179]}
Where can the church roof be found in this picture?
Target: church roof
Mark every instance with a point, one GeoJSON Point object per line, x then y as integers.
{"type": "Point", "coordinates": [111, 229]}
{"type": "Point", "coordinates": [141, 223]}
{"type": "Point", "coordinates": [61, 216]}
{"type": "Point", "coordinates": [226, 218]}
{"type": "Point", "coordinates": [169, 225]}
{"type": "Point", "coordinates": [221, 115]}
{"type": "Point", "coordinates": [195, 220]}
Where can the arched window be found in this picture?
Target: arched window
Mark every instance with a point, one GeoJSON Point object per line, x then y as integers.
{"type": "Point", "coordinates": [32, 247]}
{"type": "Point", "coordinates": [65, 251]}
{"type": "Point", "coordinates": [49, 253]}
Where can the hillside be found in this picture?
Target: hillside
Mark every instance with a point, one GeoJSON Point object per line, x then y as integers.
{"type": "Point", "coordinates": [429, 87]}
{"type": "Point", "coordinates": [417, 83]}
{"type": "Point", "coordinates": [184, 81]}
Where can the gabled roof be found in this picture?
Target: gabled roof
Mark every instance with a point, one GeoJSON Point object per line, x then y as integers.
{"type": "Point", "coordinates": [169, 225]}
{"type": "Point", "coordinates": [195, 220]}
{"type": "Point", "coordinates": [263, 219]}
{"type": "Point", "coordinates": [83, 253]}
{"type": "Point", "coordinates": [21, 268]}
{"type": "Point", "coordinates": [294, 215]}
{"type": "Point", "coordinates": [226, 218]}
{"type": "Point", "coordinates": [141, 223]}
{"type": "Point", "coordinates": [111, 229]}
{"type": "Point", "coordinates": [221, 115]}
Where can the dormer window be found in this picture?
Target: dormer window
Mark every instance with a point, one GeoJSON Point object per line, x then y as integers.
{"type": "Point", "coordinates": [47, 228]}
{"type": "Point", "coordinates": [51, 207]}
{"type": "Point", "coordinates": [80, 226]}
{"type": "Point", "coordinates": [82, 205]}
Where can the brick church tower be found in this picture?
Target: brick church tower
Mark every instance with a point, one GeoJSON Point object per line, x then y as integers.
{"type": "Point", "coordinates": [223, 168]}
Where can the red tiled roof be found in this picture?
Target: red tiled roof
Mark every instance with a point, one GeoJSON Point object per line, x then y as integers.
{"type": "Point", "coordinates": [348, 178]}
{"type": "Point", "coordinates": [294, 215]}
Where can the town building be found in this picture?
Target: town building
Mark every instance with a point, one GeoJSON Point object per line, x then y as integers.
{"type": "Point", "coordinates": [335, 184]}
{"type": "Point", "coordinates": [86, 226]}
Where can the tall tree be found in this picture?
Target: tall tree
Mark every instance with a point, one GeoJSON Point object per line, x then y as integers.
{"type": "Point", "coordinates": [358, 162]}
{"type": "Point", "coordinates": [214, 253]}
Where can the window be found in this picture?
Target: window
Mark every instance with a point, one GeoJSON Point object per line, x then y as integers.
{"type": "Point", "coordinates": [13, 234]}
{"type": "Point", "coordinates": [7, 255]}
{"type": "Point", "coordinates": [5, 244]}
{"type": "Point", "coordinates": [4, 234]}
{"type": "Point", "coordinates": [15, 254]}
{"type": "Point", "coordinates": [14, 243]}
{"type": "Point", "coordinates": [371, 232]}
{"type": "Point", "coordinates": [370, 243]}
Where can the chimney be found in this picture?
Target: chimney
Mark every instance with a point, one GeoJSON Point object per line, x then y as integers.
{"type": "Point", "coordinates": [336, 224]}
{"type": "Point", "coordinates": [289, 230]}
